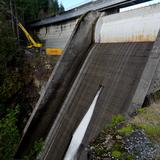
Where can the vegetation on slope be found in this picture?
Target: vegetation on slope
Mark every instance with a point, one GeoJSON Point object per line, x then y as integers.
{"type": "Point", "coordinates": [9, 134]}
{"type": "Point", "coordinates": [30, 10]}
{"type": "Point", "coordinates": [21, 75]}
{"type": "Point", "coordinates": [134, 139]}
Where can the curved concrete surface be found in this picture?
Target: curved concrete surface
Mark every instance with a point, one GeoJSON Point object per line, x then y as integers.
{"type": "Point", "coordinates": [116, 66]}
{"type": "Point", "coordinates": [140, 25]}
{"type": "Point", "coordinates": [59, 84]}
{"type": "Point", "coordinates": [124, 69]}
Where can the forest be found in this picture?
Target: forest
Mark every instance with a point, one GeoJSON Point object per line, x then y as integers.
{"type": "Point", "coordinates": [18, 93]}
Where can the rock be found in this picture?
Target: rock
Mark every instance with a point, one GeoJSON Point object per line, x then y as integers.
{"type": "Point", "coordinates": [138, 144]}
{"type": "Point", "coordinates": [118, 137]}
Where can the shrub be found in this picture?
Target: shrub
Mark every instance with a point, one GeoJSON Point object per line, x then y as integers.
{"type": "Point", "coordinates": [157, 95]}
{"type": "Point", "coordinates": [36, 149]}
{"type": "Point", "coordinates": [153, 132]}
{"type": "Point", "coordinates": [116, 119]}
{"type": "Point", "coordinates": [127, 130]}
{"type": "Point", "coordinates": [116, 154]}
{"type": "Point", "coordinates": [141, 110]}
{"type": "Point", "coordinates": [9, 135]}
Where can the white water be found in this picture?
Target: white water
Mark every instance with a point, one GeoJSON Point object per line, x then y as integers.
{"type": "Point", "coordinates": [80, 131]}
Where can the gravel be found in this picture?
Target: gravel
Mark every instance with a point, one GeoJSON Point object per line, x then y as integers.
{"type": "Point", "coordinates": [138, 144]}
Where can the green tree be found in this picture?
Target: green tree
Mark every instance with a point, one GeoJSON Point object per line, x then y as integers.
{"type": "Point", "coordinates": [12, 72]}
{"type": "Point", "coordinates": [29, 10]}
{"type": "Point", "coordinates": [61, 8]}
{"type": "Point", "coordinates": [9, 134]}
{"type": "Point", "coordinates": [10, 57]}
{"type": "Point", "coordinates": [55, 7]}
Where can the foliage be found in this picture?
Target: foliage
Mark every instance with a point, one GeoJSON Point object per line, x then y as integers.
{"type": "Point", "coordinates": [148, 120]}
{"type": "Point", "coordinates": [61, 8]}
{"type": "Point", "coordinates": [141, 110]}
{"type": "Point", "coordinates": [116, 154]}
{"type": "Point", "coordinates": [153, 132]}
{"type": "Point", "coordinates": [29, 10]}
{"type": "Point", "coordinates": [116, 119]}
{"type": "Point", "coordinates": [110, 143]}
{"type": "Point", "coordinates": [157, 95]}
{"type": "Point", "coordinates": [36, 149]}
{"type": "Point", "coordinates": [11, 58]}
{"type": "Point", "coordinates": [126, 130]}
{"type": "Point", "coordinates": [14, 78]}
{"type": "Point", "coordinates": [11, 84]}
{"type": "Point", "coordinates": [9, 135]}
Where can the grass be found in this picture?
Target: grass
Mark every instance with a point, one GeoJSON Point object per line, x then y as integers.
{"type": "Point", "coordinates": [153, 132]}
{"type": "Point", "coordinates": [35, 151]}
{"type": "Point", "coordinates": [126, 130]}
{"type": "Point", "coordinates": [9, 134]}
{"type": "Point", "coordinates": [149, 120]}
{"type": "Point", "coordinates": [157, 95]}
{"type": "Point", "coordinates": [141, 110]}
{"type": "Point", "coordinates": [116, 154]}
{"type": "Point", "coordinates": [116, 119]}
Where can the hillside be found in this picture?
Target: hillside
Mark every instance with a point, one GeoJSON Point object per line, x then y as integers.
{"type": "Point", "coordinates": [137, 138]}
{"type": "Point", "coordinates": [23, 72]}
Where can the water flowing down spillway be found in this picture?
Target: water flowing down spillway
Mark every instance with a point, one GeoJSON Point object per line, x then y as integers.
{"type": "Point", "coordinates": [80, 131]}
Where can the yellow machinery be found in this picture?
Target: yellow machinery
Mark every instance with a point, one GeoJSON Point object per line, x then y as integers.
{"type": "Point", "coordinates": [34, 44]}
{"type": "Point", "coordinates": [54, 51]}
{"type": "Point", "coordinates": [30, 39]}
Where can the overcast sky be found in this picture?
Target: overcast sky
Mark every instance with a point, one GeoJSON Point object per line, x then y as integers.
{"type": "Point", "coordinates": [73, 3]}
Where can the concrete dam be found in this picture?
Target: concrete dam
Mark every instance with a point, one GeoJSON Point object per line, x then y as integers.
{"type": "Point", "coordinates": [116, 56]}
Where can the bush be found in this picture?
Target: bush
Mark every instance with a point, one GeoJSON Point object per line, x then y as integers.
{"type": "Point", "coordinates": [127, 130]}
{"type": "Point", "coordinates": [9, 135]}
{"type": "Point", "coordinates": [35, 151]}
{"type": "Point", "coordinates": [153, 132]}
{"type": "Point", "coordinates": [116, 119]}
{"type": "Point", "coordinates": [116, 154]}
{"type": "Point", "coordinates": [141, 110]}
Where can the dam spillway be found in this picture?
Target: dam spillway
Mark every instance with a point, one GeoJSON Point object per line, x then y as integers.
{"type": "Point", "coordinates": [119, 72]}
{"type": "Point", "coordinates": [78, 135]}
{"type": "Point", "coordinates": [124, 65]}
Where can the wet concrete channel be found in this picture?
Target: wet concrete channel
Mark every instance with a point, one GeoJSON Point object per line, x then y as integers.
{"type": "Point", "coordinates": [116, 66]}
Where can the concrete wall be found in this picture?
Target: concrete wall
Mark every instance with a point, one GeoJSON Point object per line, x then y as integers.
{"type": "Point", "coordinates": [59, 84]}
{"type": "Point", "coordinates": [132, 26]}
{"type": "Point", "coordinates": [57, 36]}
{"type": "Point", "coordinates": [138, 25]}
{"type": "Point", "coordinates": [155, 84]}
{"type": "Point", "coordinates": [118, 68]}
{"type": "Point", "coordinates": [125, 68]}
